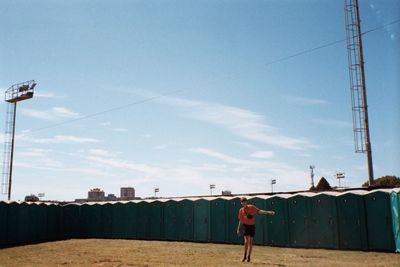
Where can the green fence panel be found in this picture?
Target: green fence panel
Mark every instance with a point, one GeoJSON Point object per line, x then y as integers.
{"type": "Point", "coordinates": [379, 221]}
{"type": "Point", "coordinates": [171, 213]}
{"type": "Point", "coordinates": [3, 223]}
{"type": "Point", "coordinates": [142, 220]}
{"type": "Point", "coordinates": [156, 220]}
{"type": "Point", "coordinates": [260, 219]}
{"type": "Point", "coordinates": [201, 220]}
{"type": "Point", "coordinates": [276, 231]}
{"type": "Point", "coordinates": [218, 220]}
{"type": "Point", "coordinates": [107, 219]}
{"type": "Point", "coordinates": [185, 220]}
{"type": "Point", "coordinates": [351, 222]}
{"type": "Point", "coordinates": [395, 208]}
{"type": "Point", "coordinates": [299, 221]}
{"type": "Point", "coordinates": [324, 225]}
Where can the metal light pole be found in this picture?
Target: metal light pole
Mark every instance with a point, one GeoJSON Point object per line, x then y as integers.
{"type": "Point", "coordinates": [156, 190]}
{"type": "Point", "coordinates": [212, 186]}
{"type": "Point", "coordinates": [273, 181]}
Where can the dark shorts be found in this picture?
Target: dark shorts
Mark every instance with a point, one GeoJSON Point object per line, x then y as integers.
{"type": "Point", "coordinates": [249, 230]}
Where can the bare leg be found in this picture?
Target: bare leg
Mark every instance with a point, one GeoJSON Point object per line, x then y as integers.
{"type": "Point", "coordinates": [250, 246]}
{"type": "Point", "coordinates": [246, 245]}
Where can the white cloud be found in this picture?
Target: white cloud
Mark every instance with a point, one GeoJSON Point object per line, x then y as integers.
{"type": "Point", "coordinates": [263, 154]}
{"type": "Point", "coordinates": [127, 165]}
{"type": "Point", "coordinates": [106, 123]}
{"type": "Point", "coordinates": [53, 114]}
{"type": "Point", "coordinates": [244, 123]}
{"type": "Point", "coordinates": [101, 153]}
{"type": "Point", "coordinates": [66, 139]}
{"type": "Point", "coordinates": [333, 123]}
{"type": "Point", "coordinates": [120, 130]}
{"type": "Point", "coordinates": [306, 100]}
{"type": "Point", "coordinates": [46, 94]}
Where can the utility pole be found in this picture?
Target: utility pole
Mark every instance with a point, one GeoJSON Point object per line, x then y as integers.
{"type": "Point", "coordinates": [312, 167]}
{"type": "Point", "coordinates": [273, 181]}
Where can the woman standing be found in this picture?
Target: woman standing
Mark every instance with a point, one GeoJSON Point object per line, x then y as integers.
{"type": "Point", "coordinates": [246, 217]}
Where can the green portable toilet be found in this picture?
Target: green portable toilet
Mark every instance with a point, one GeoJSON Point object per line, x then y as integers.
{"type": "Point", "coordinates": [276, 230]}
{"type": "Point", "coordinates": [3, 223]}
{"type": "Point", "coordinates": [395, 207]}
{"type": "Point", "coordinates": [124, 220]}
{"type": "Point", "coordinates": [26, 224]}
{"type": "Point", "coordinates": [185, 218]}
{"type": "Point", "coordinates": [232, 206]}
{"type": "Point", "coordinates": [171, 214]}
{"type": "Point", "coordinates": [72, 221]}
{"type": "Point", "coordinates": [39, 215]}
{"type": "Point", "coordinates": [92, 221]}
{"type": "Point", "coordinates": [117, 226]}
{"type": "Point", "coordinates": [201, 220]}
{"type": "Point", "coordinates": [53, 222]}
{"type": "Point", "coordinates": [324, 226]}
{"type": "Point", "coordinates": [107, 210]}
{"type": "Point", "coordinates": [130, 220]}
{"type": "Point", "coordinates": [217, 219]}
{"type": "Point", "coordinates": [142, 220]}
{"type": "Point", "coordinates": [379, 221]}
{"type": "Point", "coordinates": [299, 207]}
{"type": "Point", "coordinates": [156, 223]}
{"type": "Point", "coordinates": [12, 223]}
{"type": "Point", "coordinates": [260, 203]}
{"type": "Point", "coordinates": [351, 220]}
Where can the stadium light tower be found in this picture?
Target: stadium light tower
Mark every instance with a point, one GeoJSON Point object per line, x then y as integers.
{"type": "Point", "coordinates": [357, 84]}
{"type": "Point", "coordinates": [16, 93]}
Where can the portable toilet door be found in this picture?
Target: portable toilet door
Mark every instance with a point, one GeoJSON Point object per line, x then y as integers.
{"type": "Point", "coordinates": [129, 216]}
{"type": "Point", "coordinates": [276, 231]}
{"type": "Point", "coordinates": [156, 220]}
{"type": "Point", "coordinates": [299, 221]}
{"type": "Point", "coordinates": [379, 221]}
{"type": "Point", "coordinates": [351, 222]}
{"type": "Point", "coordinates": [218, 220]}
{"type": "Point", "coordinates": [170, 220]}
{"type": "Point", "coordinates": [3, 223]}
{"type": "Point", "coordinates": [324, 227]}
{"type": "Point", "coordinates": [201, 220]}
{"type": "Point", "coordinates": [232, 207]}
{"type": "Point", "coordinates": [71, 221]}
{"type": "Point", "coordinates": [107, 218]}
{"type": "Point", "coordinates": [142, 220]}
{"type": "Point", "coordinates": [395, 205]}
{"type": "Point", "coordinates": [118, 221]}
{"type": "Point", "coordinates": [185, 218]}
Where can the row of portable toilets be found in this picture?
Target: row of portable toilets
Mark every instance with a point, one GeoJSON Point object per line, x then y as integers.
{"type": "Point", "coordinates": [356, 220]}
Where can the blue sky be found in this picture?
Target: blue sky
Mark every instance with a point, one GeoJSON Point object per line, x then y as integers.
{"type": "Point", "coordinates": [182, 94]}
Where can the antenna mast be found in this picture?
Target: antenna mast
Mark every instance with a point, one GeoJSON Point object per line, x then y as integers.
{"type": "Point", "coordinates": [357, 84]}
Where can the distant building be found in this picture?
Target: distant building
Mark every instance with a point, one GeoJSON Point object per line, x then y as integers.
{"type": "Point", "coordinates": [127, 193]}
{"type": "Point", "coordinates": [227, 193]}
{"type": "Point", "coordinates": [111, 197]}
{"type": "Point", "coordinates": [31, 198]}
{"type": "Point", "coordinates": [96, 195]}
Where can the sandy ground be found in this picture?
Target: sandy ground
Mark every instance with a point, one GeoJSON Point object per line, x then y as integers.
{"type": "Point", "coordinates": [107, 252]}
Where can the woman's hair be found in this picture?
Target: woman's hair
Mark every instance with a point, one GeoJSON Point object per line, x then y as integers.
{"type": "Point", "coordinates": [242, 199]}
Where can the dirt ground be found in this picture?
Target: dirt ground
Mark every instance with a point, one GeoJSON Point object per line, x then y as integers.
{"type": "Point", "coordinates": [106, 252]}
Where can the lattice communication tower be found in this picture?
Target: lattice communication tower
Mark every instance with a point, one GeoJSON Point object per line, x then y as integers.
{"type": "Point", "coordinates": [357, 83]}
{"type": "Point", "coordinates": [16, 93]}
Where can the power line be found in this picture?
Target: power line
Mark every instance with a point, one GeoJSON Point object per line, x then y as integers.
{"type": "Point", "coordinates": [307, 51]}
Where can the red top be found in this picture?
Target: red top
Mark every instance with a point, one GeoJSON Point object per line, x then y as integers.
{"type": "Point", "coordinates": [248, 210]}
